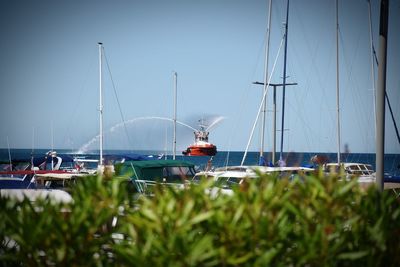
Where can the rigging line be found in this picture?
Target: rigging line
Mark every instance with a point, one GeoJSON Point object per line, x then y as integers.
{"type": "Point", "coordinates": [350, 82]}
{"type": "Point", "coordinates": [262, 102]}
{"type": "Point", "coordinates": [77, 103]}
{"type": "Point", "coordinates": [394, 121]}
{"type": "Point", "coordinates": [321, 84]}
{"type": "Point", "coordinates": [299, 98]}
{"type": "Point", "coordinates": [371, 38]}
{"type": "Point", "coordinates": [349, 65]}
{"type": "Point", "coordinates": [299, 94]}
{"type": "Point", "coordinates": [375, 56]}
{"type": "Point", "coordinates": [313, 52]}
{"type": "Point", "coordinates": [387, 99]}
{"type": "Point", "coordinates": [244, 99]}
{"type": "Point", "coordinates": [116, 96]}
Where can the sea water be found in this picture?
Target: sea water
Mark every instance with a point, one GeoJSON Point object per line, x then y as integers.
{"type": "Point", "coordinates": [226, 158]}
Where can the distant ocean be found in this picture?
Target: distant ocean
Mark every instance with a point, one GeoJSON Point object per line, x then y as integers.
{"type": "Point", "coordinates": [223, 158]}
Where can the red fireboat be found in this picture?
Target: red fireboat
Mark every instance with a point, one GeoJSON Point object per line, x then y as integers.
{"type": "Point", "coordinates": [201, 146]}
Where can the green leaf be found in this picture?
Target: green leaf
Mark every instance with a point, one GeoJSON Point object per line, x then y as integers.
{"type": "Point", "coordinates": [149, 214]}
{"type": "Point", "coordinates": [201, 217]}
{"type": "Point", "coordinates": [353, 255]}
{"type": "Point", "coordinates": [347, 187]}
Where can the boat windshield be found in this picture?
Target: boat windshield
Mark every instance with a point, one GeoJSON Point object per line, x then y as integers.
{"type": "Point", "coordinates": [366, 169]}
{"type": "Point", "coordinates": [177, 174]}
{"type": "Point", "coordinates": [5, 167]}
{"type": "Point", "coordinates": [19, 166]}
{"type": "Point", "coordinates": [360, 169]}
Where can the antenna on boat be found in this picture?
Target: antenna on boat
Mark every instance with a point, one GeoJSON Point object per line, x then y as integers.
{"type": "Point", "coordinates": [9, 153]}
{"type": "Point", "coordinates": [380, 95]}
{"type": "Point", "coordinates": [166, 143]}
{"type": "Point", "coordinates": [284, 81]}
{"type": "Point", "coordinates": [52, 146]}
{"type": "Point", "coordinates": [337, 84]}
{"type": "Point", "coordinates": [175, 103]}
{"type": "Point", "coordinates": [33, 145]}
{"type": "Point", "coordinates": [101, 104]}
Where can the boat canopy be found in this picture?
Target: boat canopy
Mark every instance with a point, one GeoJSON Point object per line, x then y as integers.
{"type": "Point", "coordinates": [159, 170]}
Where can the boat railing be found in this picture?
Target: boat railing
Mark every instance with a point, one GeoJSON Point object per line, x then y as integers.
{"type": "Point", "coordinates": [140, 186]}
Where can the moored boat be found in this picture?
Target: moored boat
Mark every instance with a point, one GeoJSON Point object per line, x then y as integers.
{"type": "Point", "coordinates": [364, 173]}
{"type": "Point", "coordinates": [21, 173]}
{"type": "Point", "coordinates": [146, 174]}
{"type": "Point", "coordinates": [201, 146]}
{"type": "Point", "coordinates": [226, 178]}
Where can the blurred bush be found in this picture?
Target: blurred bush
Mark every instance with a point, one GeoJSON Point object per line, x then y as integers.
{"type": "Point", "coordinates": [308, 221]}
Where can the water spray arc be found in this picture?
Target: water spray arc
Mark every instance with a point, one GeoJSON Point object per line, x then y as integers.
{"type": "Point", "coordinates": [84, 148]}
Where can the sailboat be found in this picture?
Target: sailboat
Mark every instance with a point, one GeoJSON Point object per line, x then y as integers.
{"type": "Point", "coordinates": [60, 178]}
{"type": "Point", "coordinates": [236, 174]}
{"type": "Point", "coordinates": [267, 83]}
{"type": "Point", "coordinates": [18, 180]}
{"type": "Point", "coordinates": [363, 172]}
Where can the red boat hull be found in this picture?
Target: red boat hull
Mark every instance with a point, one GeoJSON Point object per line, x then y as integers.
{"type": "Point", "coordinates": [210, 150]}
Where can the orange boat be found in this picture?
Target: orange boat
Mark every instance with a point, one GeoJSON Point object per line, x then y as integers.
{"type": "Point", "coordinates": [201, 146]}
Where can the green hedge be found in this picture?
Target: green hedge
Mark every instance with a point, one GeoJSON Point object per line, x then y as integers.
{"type": "Point", "coordinates": [311, 221]}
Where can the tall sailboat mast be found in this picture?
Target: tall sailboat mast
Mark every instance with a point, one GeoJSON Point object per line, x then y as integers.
{"type": "Point", "coordinates": [284, 81]}
{"type": "Point", "coordinates": [52, 146]}
{"type": "Point", "coordinates": [380, 94]}
{"type": "Point", "coordinates": [101, 102]}
{"type": "Point", "coordinates": [9, 153]}
{"type": "Point", "coordinates": [337, 85]}
{"type": "Point", "coordinates": [371, 41]}
{"type": "Point", "coordinates": [265, 80]}
{"type": "Point", "coordinates": [175, 103]}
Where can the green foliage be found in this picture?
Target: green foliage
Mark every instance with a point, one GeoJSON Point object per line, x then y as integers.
{"type": "Point", "coordinates": [76, 234]}
{"type": "Point", "coordinates": [310, 221]}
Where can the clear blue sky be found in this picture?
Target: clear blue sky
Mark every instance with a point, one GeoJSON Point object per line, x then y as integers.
{"type": "Point", "coordinates": [49, 72]}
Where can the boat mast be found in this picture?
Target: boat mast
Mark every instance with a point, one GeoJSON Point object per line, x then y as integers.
{"type": "Point", "coordinates": [265, 79]}
{"type": "Point", "coordinates": [101, 103]}
{"type": "Point", "coordinates": [261, 105]}
{"type": "Point", "coordinates": [284, 81]}
{"type": "Point", "coordinates": [9, 153]}
{"type": "Point", "coordinates": [33, 146]}
{"type": "Point", "coordinates": [175, 103]}
{"type": "Point", "coordinates": [274, 85]}
{"type": "Point", "coordinates": [371, 40]}
{"type": "Point", "coordinates": [337, 85]}
{"type": "Point", "coordinates": [166, 143]}
{"type": "Point", "coordinates": [380, 94]}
